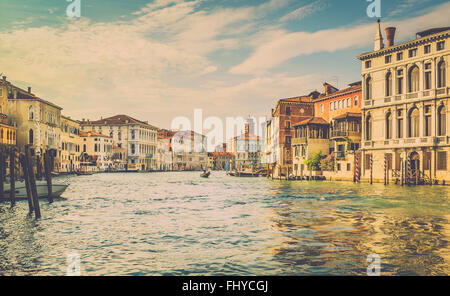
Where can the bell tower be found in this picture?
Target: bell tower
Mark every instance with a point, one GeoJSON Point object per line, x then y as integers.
{"type": "Point", "coordinates": [378, 38]}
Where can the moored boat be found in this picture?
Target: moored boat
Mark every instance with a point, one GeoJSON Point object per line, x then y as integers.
{"type": "Point", "coordinates": [205, 174]}
{"type": "Point", "coordinates": [41, 187]}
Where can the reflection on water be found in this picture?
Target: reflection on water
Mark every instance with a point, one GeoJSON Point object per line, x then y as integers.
{"type": "Point", "coordinates": [180, 224]}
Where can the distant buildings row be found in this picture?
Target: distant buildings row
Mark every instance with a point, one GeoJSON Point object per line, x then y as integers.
{"type": "Point", "coordinates": [394, 120]}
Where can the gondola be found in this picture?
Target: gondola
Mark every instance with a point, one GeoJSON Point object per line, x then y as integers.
{"type": "Point", "coordinates": [205, 174]}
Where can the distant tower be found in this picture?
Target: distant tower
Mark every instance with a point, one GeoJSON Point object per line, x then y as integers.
{"type": "Point", "coordinates": [378, 38]}
{"type": "Point", "coordinates": [250, 127]}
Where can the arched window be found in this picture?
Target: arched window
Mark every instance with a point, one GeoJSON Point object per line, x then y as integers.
{"type": "Point", "coordinates": [95, 147]}
{"type": "Point", "coordinates": [368, 127]}
{"type": "Point", "coordinates": [31, 113]}
{"type": "Point", "coordinates": [368, 88]}
{"type": "Point", "coordinates": [31, 137]}
{"type": "Point", "coordinates": [413, 79]}
{"type": "Point", "coordinates": [388, 84]}
{"type": "Point", "coordinates": [389, 125]}
{"type": "Point", "coordinates": [413, 123]}
{"type": "Point", "coordinates": [442, 121]}
{"type": "Point", "coordinates": [441, 75]}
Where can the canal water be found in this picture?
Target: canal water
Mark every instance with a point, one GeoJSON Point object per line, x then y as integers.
{"type": "Point", "coordinates": [179, 224]}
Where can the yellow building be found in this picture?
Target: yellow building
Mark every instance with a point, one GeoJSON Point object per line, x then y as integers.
{"type": "Point", "coordinates": [71, 143]}
{"type": "Point", "coordinates": [405, 107]}
{"type": "Point", "coordinates": [310, 136]}
{"type": "Point", "coordinates": [37, 120]}
{"type": "Point", "coordinates": [7, 127]}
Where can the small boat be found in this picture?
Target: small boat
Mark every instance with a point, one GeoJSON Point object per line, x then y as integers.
{"type": "Point", "coordinates": [84, 173]}
{"type": "Point", "coordinates": [41, 186]}
{"type": "Point", "coordinates": [205, 174]}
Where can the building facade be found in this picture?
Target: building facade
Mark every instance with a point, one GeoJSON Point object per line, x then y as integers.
{"type": "Point", "coordinates": [280, 132]}
{"type": "Point", "coordinates": [137, 137]}
{"type": "Point", "coordinates": [38, 121]}
{"type": "Point", "coordinates": [405, 107]}
{"type": "Point", "coordinates": [71, 143]}
{"type": "Point", "coordinates": [99, 149]}
{"type": "Point", "coordinates": [189, 151]}
{"type": "Point", "coordinates": [311, 136]}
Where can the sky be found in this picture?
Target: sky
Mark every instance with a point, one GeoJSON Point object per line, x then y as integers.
{"type": "Point", "coordinates": [158, 60]}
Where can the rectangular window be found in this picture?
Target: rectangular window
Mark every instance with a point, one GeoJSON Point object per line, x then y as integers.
{"type": "Point", "coordinates": [399, 56]}
{"type": "Point", "coordinates": [368, 64]}
{"type": "Point", "coordinates": [427, 49]}
{"type": "Point", "coordinates": [427, 121]}
{"type": "Point", "coordinates": [442, 161]}
{"type": "Point", "coordinates": [288, 110]}
{"type": "Point", "coordinates": [339, 167]}
{"type": "Point", "coordinates": [413, 53]}
{"type": "Point", "coordinates": [427, 80]}
{"type": "Point", "coordinates": [349, 167]}
{"type": "Point", "coordinates": [322, 108]}
{"type": "Point", "coordinates": [288, 124]}
{"type": "Point", "coordinates": [356, 101]}
{"type": "Point", "coordinates": [331, 106]}
{"type": "Point", "coordinates": [440, 45]}
{"type": "Point", "coordinates": [400, 128]}
{"type": "Point", "coordinates": [388, 59]}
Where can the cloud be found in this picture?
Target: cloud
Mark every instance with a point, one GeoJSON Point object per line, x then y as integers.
{"type": "Point", "coordinates": [306, 10]}
{"type": "Point", "coordinates": [406, 5]}
{"type": "Point", "coordinates": [281, 45]}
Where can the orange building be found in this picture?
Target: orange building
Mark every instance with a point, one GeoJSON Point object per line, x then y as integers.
{"type": "Point", "coordinates": [342, 109]}
{"type": "Point", "coordinates": [335, 102]}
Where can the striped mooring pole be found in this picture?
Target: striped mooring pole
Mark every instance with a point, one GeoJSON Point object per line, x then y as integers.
{"type": "Point", "coordinates": [356, 168]}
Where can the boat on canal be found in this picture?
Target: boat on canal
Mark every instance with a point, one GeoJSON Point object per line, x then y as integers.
{"type": "Point", "coordinates": [41, 187]}
{"type": "Point", "coordinates": [205, 174]}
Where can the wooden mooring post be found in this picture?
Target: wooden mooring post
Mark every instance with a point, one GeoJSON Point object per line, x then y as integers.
{"type": "Point", "coordinates": [32, 177]}
{"type": "Point", "coordinates": [48, 175]}
{"type": "Point", "coordinates": [38, 168]}
{"type": "Point", "coordinates": [23, 163]}
{"type": "Point", "coordinates": [2, 175]}
{"type": "Point", "coordinates": [12, 176]}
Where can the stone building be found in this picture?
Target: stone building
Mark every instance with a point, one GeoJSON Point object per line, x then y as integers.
{"type": "Point", "coordinates": [38, 121]}
{"type": "Point", "coordinates": [342, 109]}
{"type": "Point", "coordinates": [310, 136]}
{"type": "Point", "coordinates": [99, 149]}
{"type": "Point", "coordinates": [279, 132]}
{"type": "Point", "coordinates": [137, 137]}
{"type": "Point", "coordinates": [189, 151]}
{"type": "Point", "coordinates": [71, 143]}
{"type": "Point", "coordinates": [405, 106]}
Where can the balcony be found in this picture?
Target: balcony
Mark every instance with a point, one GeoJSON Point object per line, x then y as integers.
{"type": "Point", "coordinates": [412, 95]}
{"type": "Point", "coordinates": [299, 141]}
{"type": "Point", "coordinates": [345, 134]}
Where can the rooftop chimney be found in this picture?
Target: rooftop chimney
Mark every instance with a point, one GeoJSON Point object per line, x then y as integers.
{"type": "Point", "coordinates": [390, 36]}
{"type": "Point", "coordinates": [29, 90]}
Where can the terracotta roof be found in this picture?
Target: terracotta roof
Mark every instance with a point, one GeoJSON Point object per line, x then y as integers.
{"type": "Point", "coordinates": [354, 87]}
{"type": "Point", "coordinates": [92, 134]}
{"type": "Point", "coordinates": [348, 115]}
{"type": "Point", "coordinates": [313, 120]}
{"type": "Point", "coordinates": [118, 119]}
{"type": "Point", "coordinates": [432, 31]}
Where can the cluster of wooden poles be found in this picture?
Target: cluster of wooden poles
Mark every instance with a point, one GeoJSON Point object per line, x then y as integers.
{"type": "Point", "coordinates": [23, 164]}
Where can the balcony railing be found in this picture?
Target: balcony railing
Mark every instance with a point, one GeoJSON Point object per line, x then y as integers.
{"type": "Point", "coordinates": [345, 134]}
{"type": "Point", "coordinates": [412, 96]}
